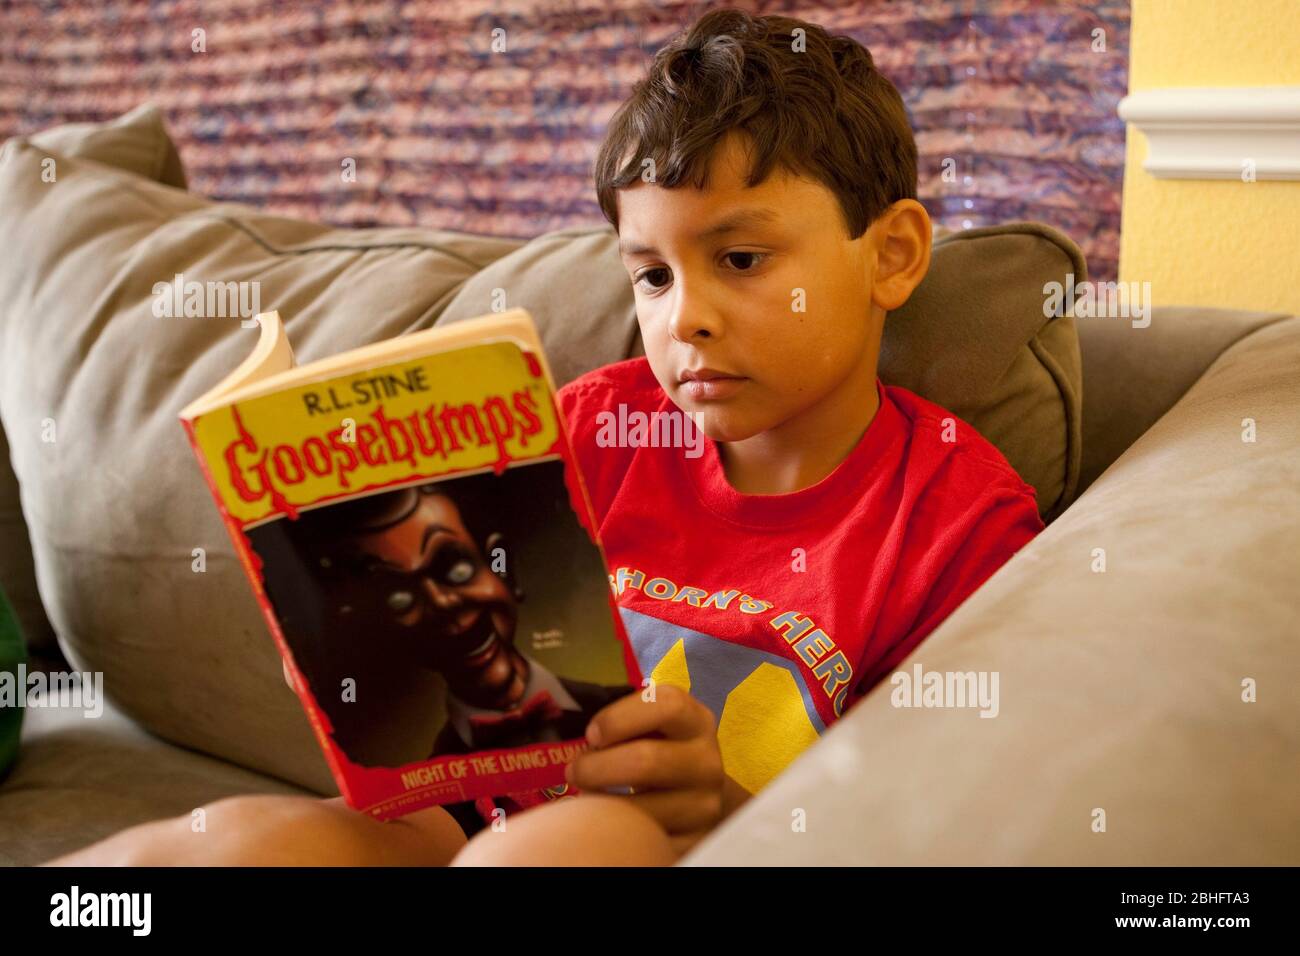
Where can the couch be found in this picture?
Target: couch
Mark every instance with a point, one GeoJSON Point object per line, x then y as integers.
{"type": "Point", "coordinates": [1144, 641]}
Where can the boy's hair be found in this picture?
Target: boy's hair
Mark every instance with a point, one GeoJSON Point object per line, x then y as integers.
{"type": "Point", "coordinates": [826, 113]}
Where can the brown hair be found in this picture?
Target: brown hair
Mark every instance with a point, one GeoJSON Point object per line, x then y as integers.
{"type": "Point", "coordinates": [826, 113]}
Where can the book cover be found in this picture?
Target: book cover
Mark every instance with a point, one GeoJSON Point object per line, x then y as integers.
{"type": "Point", "coordinates": [420, 541]}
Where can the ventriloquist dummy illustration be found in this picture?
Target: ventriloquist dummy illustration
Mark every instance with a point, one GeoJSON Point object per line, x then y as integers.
{"type": "Point", "coordinates": [431, 578]}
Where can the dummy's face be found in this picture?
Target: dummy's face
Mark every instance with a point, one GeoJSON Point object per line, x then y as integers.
{"type": "Point", "coordinates": [441, 599]}
{"type": "Point", "coordinates": [776, 307]}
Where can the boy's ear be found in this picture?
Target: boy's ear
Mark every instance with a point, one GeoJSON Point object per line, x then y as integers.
{"type": "Point", "coordinates": [902, 241]}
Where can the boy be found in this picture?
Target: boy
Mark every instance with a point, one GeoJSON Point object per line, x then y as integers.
{"type": "Point", "coordinates": [762, 180]}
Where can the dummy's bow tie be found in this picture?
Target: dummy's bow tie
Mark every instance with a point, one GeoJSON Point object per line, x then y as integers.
{"type": "Point", "coordinates": [537, 710]}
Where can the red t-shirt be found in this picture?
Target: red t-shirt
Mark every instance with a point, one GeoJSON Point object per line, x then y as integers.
{"type": "Point", "coordinates": [779, 611]}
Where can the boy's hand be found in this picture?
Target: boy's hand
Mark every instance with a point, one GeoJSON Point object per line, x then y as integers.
{"type": "Point", "coordinates": [667, 751]}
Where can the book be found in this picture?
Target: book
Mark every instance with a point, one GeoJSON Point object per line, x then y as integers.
{"type": "Point", "coordinates": [414, 525]}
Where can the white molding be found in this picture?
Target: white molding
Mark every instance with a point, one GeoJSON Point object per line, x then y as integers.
{"type": "Point", "coordinates": [1209, 133]}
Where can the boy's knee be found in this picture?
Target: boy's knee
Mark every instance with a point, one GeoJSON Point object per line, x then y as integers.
{"type": "Point", "coordinates": [327, 832]}
{"type": "Point", "coordinates": [244, 830]}
{"type": "Point", "coordinates": [588, 830]}
{"type": "Point", "coordinates": [282, 831]}
{"type": "Point", "coordinates": [267, 830]}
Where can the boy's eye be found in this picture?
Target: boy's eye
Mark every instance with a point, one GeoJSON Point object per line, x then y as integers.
{"type": "Point", "coordinates": [649, 272]}
{"type": "Point", "coordinates": [748, 261]}
{"type": "Point", "coordinates": [759, 256]}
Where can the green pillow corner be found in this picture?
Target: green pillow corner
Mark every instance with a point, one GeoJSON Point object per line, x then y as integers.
{"type": "Point", "coordinates": [12, 654]}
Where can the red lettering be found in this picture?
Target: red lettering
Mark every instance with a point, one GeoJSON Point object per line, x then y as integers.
{"type": "Point", "coordinates": [391, 428]}
{"type": "Point", "coordinates": [526, 406]}
{"type": "Point", "coordinates": [278, 501]}
{"type": "Point", "coordinates": [502, 425]}
{"type": "Point", "coordinates": [460, 416]}
{"type": "Point", "coordinates": [346, 451]}
{"type": "Point", "coordinates": [246, 442]}
{"type": "Point", "coordinates": [318, 446]}
{"type": "Point", "coordinates": [367, 436]}
{"type": "Point", "coordinates": [284, 457]}
{"type": "Point", "coordinates": [433, 445]}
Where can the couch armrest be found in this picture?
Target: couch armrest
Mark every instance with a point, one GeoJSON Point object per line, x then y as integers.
{"type": "Point", "coordinates": [1120, 691]}
{"type": "Point", "coordinates": [1133, 375]}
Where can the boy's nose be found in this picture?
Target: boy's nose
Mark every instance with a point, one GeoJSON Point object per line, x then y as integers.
{"type": "Point", "coordinates": [694, 317]}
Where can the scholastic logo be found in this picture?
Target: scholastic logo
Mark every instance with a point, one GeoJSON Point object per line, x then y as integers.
{"type": "Point", "coordinates": [75, 908]}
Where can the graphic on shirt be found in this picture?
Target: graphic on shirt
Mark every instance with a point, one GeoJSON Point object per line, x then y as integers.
{"type": "Point", "coordinates": [827, 667]}
{"type": "Point", "coordinates": [765, 711]}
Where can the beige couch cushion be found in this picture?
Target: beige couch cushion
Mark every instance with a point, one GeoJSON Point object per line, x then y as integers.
{"type": "Point", "coordinates": [115, 504]}
{"type": "Point", "coordinates": [78, 780]}
{"type": "Point", "coordinates": [1119, 691]}
{"type": "Point", "coordinates": [136, 142]}
{"type": "Point", "coordinates": [1135, 373]}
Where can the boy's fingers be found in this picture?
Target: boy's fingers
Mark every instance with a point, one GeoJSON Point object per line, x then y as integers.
{"type": "Point", "coordinates": [673, 713]}
{"type": "Point", "coordinates": [680, 811]}
{"type": "Point", "coordinates": [645, 763]}
{"type": "Point", "coordinates": [288, 678]}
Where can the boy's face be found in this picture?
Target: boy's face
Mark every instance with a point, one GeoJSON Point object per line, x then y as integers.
{"type": "Point", "coordinates": [782, 308]}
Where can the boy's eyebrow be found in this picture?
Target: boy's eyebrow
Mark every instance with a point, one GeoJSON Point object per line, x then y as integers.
{"type": "Point", "coordinates": [742, 219]}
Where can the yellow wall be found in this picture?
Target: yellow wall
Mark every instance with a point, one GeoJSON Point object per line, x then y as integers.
{"type": "Point", "coordinates": [1212, 242]}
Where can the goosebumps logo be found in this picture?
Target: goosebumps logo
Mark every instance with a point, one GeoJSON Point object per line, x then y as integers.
{"type": "Point", "coordinates": [433, 434]}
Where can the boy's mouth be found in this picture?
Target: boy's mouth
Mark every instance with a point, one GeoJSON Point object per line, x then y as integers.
{"type": "Point", "coordinates": [708, 384]}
